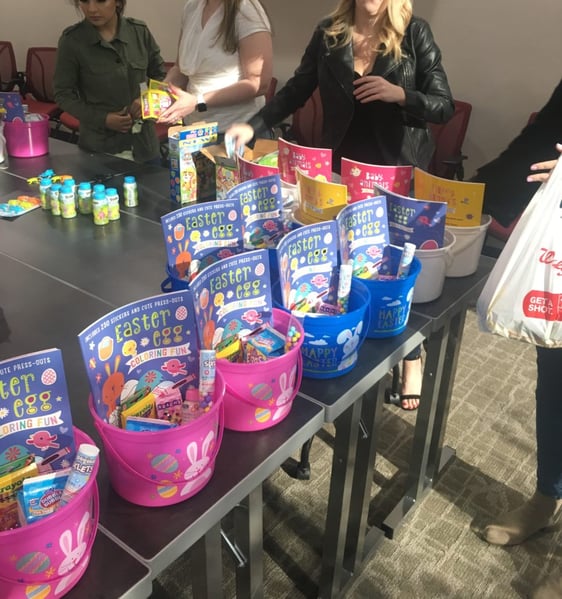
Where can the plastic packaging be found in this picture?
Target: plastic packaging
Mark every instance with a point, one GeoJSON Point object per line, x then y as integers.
{"type": "Point", "coordinates": [100, 208]}
{"type": "Point", "coordinates": [130, 191]}
{"type": "Point", "coordinates": [54, 194]}
{"type": "Point", "coordinates": [67, 200]}
{"type": "Point", "coordinates": [112, 203]}
{"type": "Point", "coordinates": [85, 197]}
{"type": "Point", "coordinates": [82, 468]}
{"type": "Point", "coordinates": [44, 186]}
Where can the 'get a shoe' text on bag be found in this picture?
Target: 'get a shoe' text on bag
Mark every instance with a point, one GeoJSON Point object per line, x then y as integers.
{"type": "Point", "coordinates": [522, 298]}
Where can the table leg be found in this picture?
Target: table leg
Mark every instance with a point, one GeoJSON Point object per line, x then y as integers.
{"type": "Point", "coordinates": [358, 544]}
{"type": "Point", "coordinates": [345, 449]}
{"type": "Point", "coordinates": [439, 456]}
{"type": "Point", "coordinates": [206, 561]}
{"type": "Point", "coordinates": [417, 483]}
{"type": "Point", "coordinates": [248, 529]}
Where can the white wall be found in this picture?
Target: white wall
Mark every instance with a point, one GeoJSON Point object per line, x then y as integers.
{"type": "Point", "coordinates": [500, 55]}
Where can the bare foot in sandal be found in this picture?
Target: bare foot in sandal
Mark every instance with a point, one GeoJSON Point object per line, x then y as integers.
{"type": "Point", "coordinates": [411, 384]}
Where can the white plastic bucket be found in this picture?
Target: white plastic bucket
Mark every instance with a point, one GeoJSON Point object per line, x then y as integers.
{"type": "Point", "coordinates": [429, 284]}
{"type": "Point", "coordinates": [467, 247]}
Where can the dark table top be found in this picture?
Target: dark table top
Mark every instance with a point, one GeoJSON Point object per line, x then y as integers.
{"type": "Point", "coordinates": [131, 580]}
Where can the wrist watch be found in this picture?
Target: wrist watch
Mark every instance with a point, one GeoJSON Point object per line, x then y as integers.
{"type": "Point", "coordinates": [201, 104]}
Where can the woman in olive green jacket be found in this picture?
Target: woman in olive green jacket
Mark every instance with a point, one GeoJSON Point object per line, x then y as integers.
{"type": "Point", "coordinates": [101, 62]}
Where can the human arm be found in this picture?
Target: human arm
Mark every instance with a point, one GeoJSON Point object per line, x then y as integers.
{"type": "Point", "coordinates": [430, 98]}
{"type": "Point", "coordinates": [546, 168]}
{"type": "Point", "coordinates": [256, 59]}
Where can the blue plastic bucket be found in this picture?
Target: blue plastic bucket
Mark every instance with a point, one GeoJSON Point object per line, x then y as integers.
{"type": "Point", "coordinates": [173, 282]}
{"type": "Point", "coordinates": [331, 343]}
{"type": "Point", "coordinates": [391, 299]}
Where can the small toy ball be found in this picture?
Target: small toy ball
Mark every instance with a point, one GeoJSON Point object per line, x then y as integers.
{"type": "Point", "coordinates": [293, 337]}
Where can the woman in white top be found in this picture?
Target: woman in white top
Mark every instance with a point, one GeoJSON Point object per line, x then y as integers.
{"type": "Point", "coordinates": [224, 62]}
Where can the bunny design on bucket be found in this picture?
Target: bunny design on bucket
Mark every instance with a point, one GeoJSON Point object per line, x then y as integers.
{"type": "Point", "coordinates": [198, 472]}
{"type": "Point", "coordinates": [73, 556]}
{"type": "Point", "coordinates": [283, 401]}
{"type": "Point", "coordinates": [350, 342]}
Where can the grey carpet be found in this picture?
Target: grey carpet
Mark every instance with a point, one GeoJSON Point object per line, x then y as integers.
{"type": "Point", "coordinates": [435, 554]}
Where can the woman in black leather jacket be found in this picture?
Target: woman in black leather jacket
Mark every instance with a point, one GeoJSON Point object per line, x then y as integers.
{"type": "Point", "coordinates": [380, 79]}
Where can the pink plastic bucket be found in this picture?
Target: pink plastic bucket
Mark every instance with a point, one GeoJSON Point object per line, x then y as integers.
{"type": "Point", "coordinates": [260, 395]}
{"type": "Point", "coordinates": [44, 560]}
{"type": "Point", "coordinates": [164, 467]}
{"type": "Point", "coordinates": [27, 139]}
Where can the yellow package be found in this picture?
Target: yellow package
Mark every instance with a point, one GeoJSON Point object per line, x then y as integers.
{"type": "Point", "coordinates": [155, 99]}
{"type": "Point", "coordinates": [145, 407]}
{"type": "Point", "coordinates": [10, 484]}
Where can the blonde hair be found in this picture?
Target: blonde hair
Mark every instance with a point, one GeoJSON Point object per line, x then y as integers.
{"type": "Point", "coordinates": [227, 29]}
{"type": "Point", "coordinates": [391, 25]}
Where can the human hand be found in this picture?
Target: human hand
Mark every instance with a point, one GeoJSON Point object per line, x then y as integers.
{"type": "Point", "coordinates": [119, 121]}
{"type": "Point", "coordinates": [546, 166]}
{"type": "Point", "coordinates": [185, 104]}
{"type": "Point", "coordinates": [135, 110]}
{"type": "Point", "coordinates": [373, 87]}
{"type": "Point", "coordinates": [239, 135]}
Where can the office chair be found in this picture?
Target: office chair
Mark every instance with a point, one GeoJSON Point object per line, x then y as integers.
{"type": "Point", "coordinates": [38, 91]}
{"type": "Point", "coordinates": [10, 77]}
{"type": "Point", "coordinates": [306, 126]}
{"type": "Point", "coordinates": [271, 89]}
{"type": "Point", "coordinates": [447, 161]}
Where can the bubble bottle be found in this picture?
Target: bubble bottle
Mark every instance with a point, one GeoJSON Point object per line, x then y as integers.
{"type": "Point", "coordinates": [130, 191]}
{"type": "Point", "coordinates": [100, 208]}
{"type": "Point", "coordinates": [67, 201]}
{"type": "Point", "coordinates": [54, 194]}
{"type": "Point", "coordinates": [85, 198]}
{"type": "Point", "coordinates": [112, 203]}
{"type": "Point", "coordinates": [44, 187]}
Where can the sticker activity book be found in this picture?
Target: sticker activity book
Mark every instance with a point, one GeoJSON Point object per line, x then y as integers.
{"type": "Point", "coordinates": [363, 234]}
{"type": "Point", "coordinates": [148, 343]}
{"type": "Point", "coordinates": [232, 297]}
{"type": "Point", "coordinates": [363, 179]}
{"type": "Point", "coordinates": [314, 162]}
{"type": "Point", "coordinates": [261, 204]}
{"type": "Point", "coordinates": [420, 222]}
{"type": "Point", "coordinates": [199, 235]}
{"type": "Point", "coordinates": [35, 415]}
{"type": "Point", "coordinates": [308, 260]}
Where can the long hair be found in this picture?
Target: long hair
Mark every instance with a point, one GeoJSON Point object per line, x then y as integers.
{"type": "Point", "coordinates": [227, 29]}
{"type": "Point", "coordinates": [391, 25]}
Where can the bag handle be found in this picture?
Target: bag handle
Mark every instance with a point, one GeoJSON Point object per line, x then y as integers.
{"type": "Point", "coordinates": [107, 444]}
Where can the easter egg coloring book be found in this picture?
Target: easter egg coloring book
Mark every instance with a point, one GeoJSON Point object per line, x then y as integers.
{"type": "Point", "coordinates": [35, 417]}
{"type": "Point", "coordinates": [148, 343]}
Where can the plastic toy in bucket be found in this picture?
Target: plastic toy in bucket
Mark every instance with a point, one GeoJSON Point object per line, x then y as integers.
{"type": "Point", "coordinates": [467, 247]}
{"type": "Point", "coordinates": [260, 395]}
{"type": "Point", "coordinates": [47, 558]}
{"type": "Point", "coordinates": [391, 299]}
{"type": "Point", "coordinates": [429, 284]}
{"type": "Point", "coordinates": [165, 467]}
{"type": "Point", "coordinates": [172, 282]}
{"type": "Point", "coordinates": [26, 139]}
{"type": "Point", "coordinates": [331, 343]}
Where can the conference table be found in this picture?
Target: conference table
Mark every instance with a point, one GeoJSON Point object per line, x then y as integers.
{"type": "Point", "coordinates": [60, 275]}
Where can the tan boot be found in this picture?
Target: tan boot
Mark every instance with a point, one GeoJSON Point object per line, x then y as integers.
{"type": "Point", "coordinates": [515, 527]}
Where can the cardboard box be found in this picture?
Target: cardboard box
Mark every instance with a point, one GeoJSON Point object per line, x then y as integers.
{"type": "Point", "coordinates": [184, 142]}
{"type": "Point", "coordinates": [218, 173]}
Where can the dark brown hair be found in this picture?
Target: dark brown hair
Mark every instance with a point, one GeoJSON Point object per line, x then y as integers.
{"type": "Point", "coordinates": [119, 5]}
{"type": "Point", "coordinates": [227, 29]}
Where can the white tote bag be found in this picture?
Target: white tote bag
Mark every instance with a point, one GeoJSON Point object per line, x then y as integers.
{"type": "Point", "coordinates": [522, 298]}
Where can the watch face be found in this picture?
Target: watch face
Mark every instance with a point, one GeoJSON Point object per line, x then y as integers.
{"type": "Point", "coordinates": [201, 107]}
